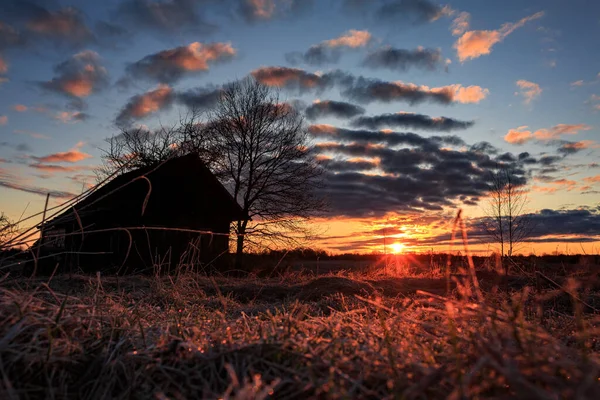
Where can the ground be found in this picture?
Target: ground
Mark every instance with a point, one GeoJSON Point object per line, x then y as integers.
{"type": "Point", "coordinates": [295, 334]}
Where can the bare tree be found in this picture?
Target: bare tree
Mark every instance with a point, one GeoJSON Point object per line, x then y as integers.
{"type": "Point", "coordinates": [519, 225]}
{"type": "Point", "coordinates": [8, 229]}
{"type": "Point", "coordinates": [256, 145]}
{"type": "Point", "coordinates": [506, 220]}
{"type": "Point", "coordinates": [266, 161]}
{"type": "Point", "coordinates": [494, 222]}
{"type": "Point", "coordinates": [139, 147]}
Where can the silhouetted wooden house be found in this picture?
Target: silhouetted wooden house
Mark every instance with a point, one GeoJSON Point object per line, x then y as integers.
{"type": "Point", "coordinates": [173, 214]}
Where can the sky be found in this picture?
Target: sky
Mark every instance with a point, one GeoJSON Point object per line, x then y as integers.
{"type": "Point", "coordinates": [408, 102]}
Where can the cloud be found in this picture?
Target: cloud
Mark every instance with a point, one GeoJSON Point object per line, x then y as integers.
{"type": "Point", "coordinates": [521, 135]}
{"type": "Point", "coordinates": [414, 173]}
{"type": "Point", "coordinates": [288, 77]}
{"type": "Point", "coordinates": [411, 11]}
{"type": "Point", "coordinates": [10, 37]}
{"type": "Point", "coordinates": [53, 168]}
{"type": "Point", "coordinates": [518, 135]}
{"type": "Point", "coordinates": [79, 76]}
{"type": "Point", "coordinates": [169, 66]}
{"type": "Point", "coordinates": [577, 83]}
{"type": "Point", "coordinates": [63, 27]}
{"type": "Point", "coordinates": [34, 135]}
{"type": "Point", "coordinates": [328, 51]}
{"type": "Point", "coordinates": [575, 147]}
{"type": "Point", "coordinates": [352, 39]}
{"type": "Point", "coordinates": [466, 94]}
{"type": "Point", "coordinates": [402, 60]}
{"type": "Point", "coordinates": [565, 222]}
{"type": "Point", "coordinates": [3, 119]}
{"type": "Point", "coordinates": [388, 138]}
{"type": "Point", "coordinates": [10, 181]}
{"type": "Point", "coordinates": [34, 189]}
{"type": "Point", "coordinates": [461, 23]}
{"type": "Point", "coordinates": [21, 147]}
{"type": "Point", "coordinates": [3, 66]}
{"type": "Point", "coordinates": [549, 226]}
{"type": "Point", "coordinates": [529, 90]}
{"type": "Point", "coordinates": [367, 90]}
{"type": "Point", "coordinates": [474, 44]}
{"type": "Point", "coordinates": [19, 108]}
{"type": "Point", "coordinates": [72, 156]}
{"type": "Point", "coordinates": [592, 179]}
{"type": "Point", "coordinates": [253, 11]}
{"type": "Point", "coordinates": [337, 109]}
{"type": "Point", "coordinates": [199, 98]}
{"type": "Point", "coordinates": [561, 129]}
{"type": "Point", "coordinates": [145, 104]}
{"type": "Point", "coordinates": [351, 165]}
{"type": "Point", "coordinates": [71, 116]}
{"type": "Point", "coordinates": [595, 100]}
{"type": "Point", "coordinates": [65, 24]}
{"type": "Point", "coordinates": [410, 120]}
{"type": "Point", "coordinates": [163, 97]}
{"type": "Point", "coordinates": [171, 16]}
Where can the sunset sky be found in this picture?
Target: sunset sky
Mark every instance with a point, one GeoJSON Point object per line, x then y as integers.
{"type": "Point", "coordinates": [409, 101]}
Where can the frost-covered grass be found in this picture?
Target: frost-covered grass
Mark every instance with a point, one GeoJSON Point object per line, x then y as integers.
{"type": "Point", "coordinates": [296, 336]}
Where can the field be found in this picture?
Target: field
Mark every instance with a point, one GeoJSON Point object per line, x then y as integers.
{"type": "Point", "coordinates": [295, 334]}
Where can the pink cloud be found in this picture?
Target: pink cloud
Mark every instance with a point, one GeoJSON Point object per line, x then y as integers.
{"type": "Point", "coordinates": [367, 90]}
{"type": "Point", "coordinates": [20, 108]}
{"type": "Point", "coordinates": [566, 183]}
{"type": "Point", "coordinates": [261, 9]}
{"type": "Point", "coordinates": [72, 156]}
{"type": "Point", "coordinates": [592, 179]}
{"type": "Point", "coordinates": [461, 23]}
{"type": "Point", "coordinates": [529, 90]}
{"type": "Point", "coordinates": [353, 39]}
{"type": "Point", "coordinates": [544, 189]}
{"type": "Point", "coordinates": [581, 145]}
{"type": "Point", "coordinates": [151, 101]}
{"type": "Point", "coordinates": [3, 119]}
{"type": "Point", "coordinates": [3, 66]}
{"type": "Point", "coordinates": [474, 44]}
{"type": "Point", "coordinates": [170, 65]}
{"type": "Point", "coordinates": [11, 181]}
{"type": "Point", "coordinates": [71, 116]}
{"type": "Point", "coordinates": [467, 94]}
{"type": "Point", "coordinates": [145, 104]}
{"type": "Point", "coordinates": [66, 23]}
{"type": "Point", "coordinates": [52, 168]}
{"type": "Point", "coordinates": [283, 76]}
{"type": "Point", "coordinates": [322, 128]}
{"type": "Point", "coordinates": [520, 135]}
{"type": "Point", "coordinates": [79, 76]}
{"type": "Point", "coordinates": [561, 129]}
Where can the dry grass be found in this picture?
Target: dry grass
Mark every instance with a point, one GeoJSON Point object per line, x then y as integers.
{"type": "Point", "coordinates": [290, 337]}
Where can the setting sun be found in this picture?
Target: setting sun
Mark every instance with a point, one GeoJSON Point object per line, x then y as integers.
{"type": "Point", "coordinates": [397, 248]}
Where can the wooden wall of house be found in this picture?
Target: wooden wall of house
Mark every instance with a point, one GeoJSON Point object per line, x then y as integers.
{"type": "Point", "coordinates": [186, 198]}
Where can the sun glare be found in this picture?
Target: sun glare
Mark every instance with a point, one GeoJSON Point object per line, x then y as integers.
{"type": "Point", "coordinates": [397, 248]}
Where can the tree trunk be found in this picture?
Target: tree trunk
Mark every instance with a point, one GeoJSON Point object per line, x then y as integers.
{"type": "Point", "coordinates": [239, 251]}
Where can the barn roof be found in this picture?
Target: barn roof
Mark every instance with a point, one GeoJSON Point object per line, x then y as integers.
{"type": "Point", "coordinates": [188, 165]}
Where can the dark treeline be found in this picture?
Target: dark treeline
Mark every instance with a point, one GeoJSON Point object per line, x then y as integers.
{"type": "Point", "coordinates": [314, 254]}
